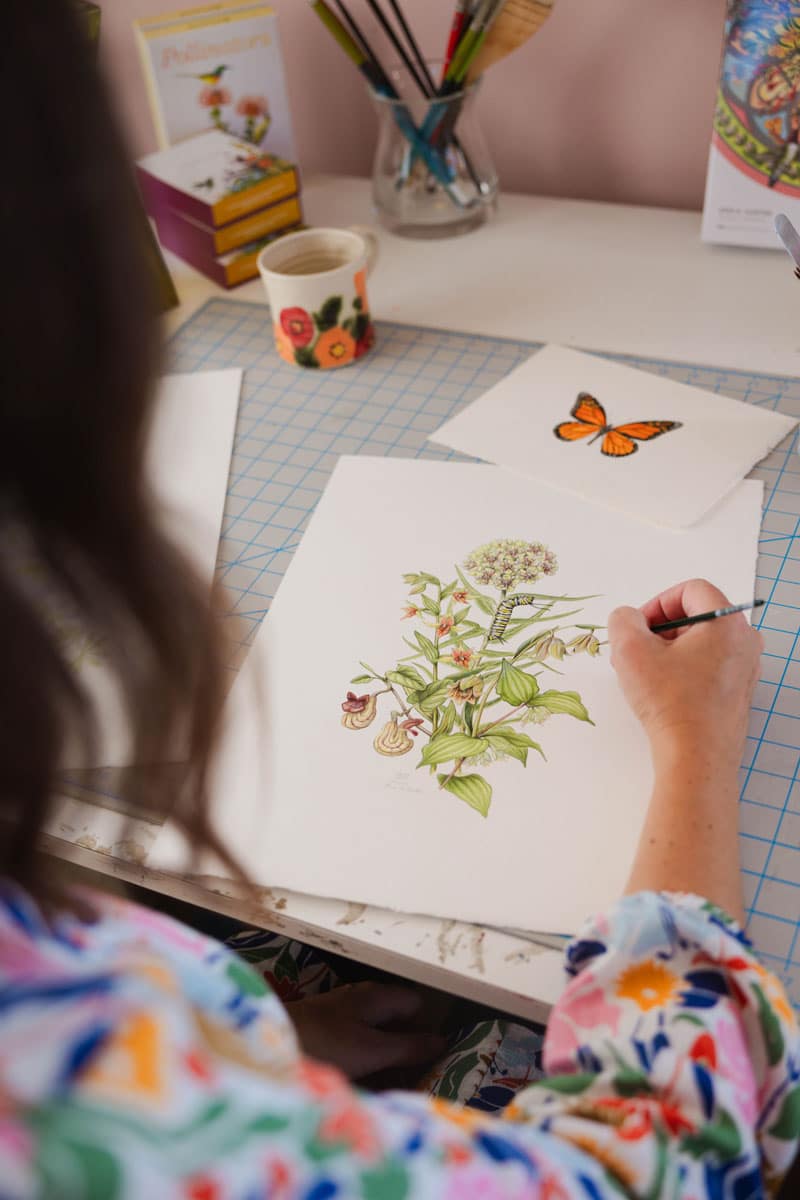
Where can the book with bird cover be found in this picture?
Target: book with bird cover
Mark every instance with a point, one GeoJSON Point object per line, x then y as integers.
{"type": "Point", "coordinates": [754, 163]}
{"type": "Point", "coordinates": [217, 67]}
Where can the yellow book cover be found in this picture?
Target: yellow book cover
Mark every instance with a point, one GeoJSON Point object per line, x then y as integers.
{"type": "Point", "coordinates": [217, 67]}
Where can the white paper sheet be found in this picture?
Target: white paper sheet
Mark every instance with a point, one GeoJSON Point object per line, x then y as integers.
{"type": "Point", "coordinates": [188, 462]}
{"type": "Point", "coordinates": [309, 805]}
{"type": "Point", "coordinates": [190, 457]}
{"type": "Point", "coordinates": [672, 480]}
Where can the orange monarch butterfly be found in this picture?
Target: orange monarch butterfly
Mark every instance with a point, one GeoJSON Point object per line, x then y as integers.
{"type": "Point", "coordinates": [618, 440]}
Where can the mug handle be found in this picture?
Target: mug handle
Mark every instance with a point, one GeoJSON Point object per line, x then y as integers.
{"type": "Point", "coordinates": [373, 245]}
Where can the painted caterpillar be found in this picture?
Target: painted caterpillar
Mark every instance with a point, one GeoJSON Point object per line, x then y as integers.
{"type": "Point", "coordinates": [504, 611]}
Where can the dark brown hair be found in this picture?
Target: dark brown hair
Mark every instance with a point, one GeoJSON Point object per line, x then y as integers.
{"type": "Point", "coordinates": [79, 352]}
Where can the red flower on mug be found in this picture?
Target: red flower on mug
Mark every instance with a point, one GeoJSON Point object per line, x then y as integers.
{"type": "Point", "coordinates": [366, 341]}
{"type": "Point", "coordinates": [297, 325]}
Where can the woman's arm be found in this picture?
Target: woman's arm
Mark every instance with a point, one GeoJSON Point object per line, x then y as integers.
{"type": "Point", "coordinates": [691, 690]}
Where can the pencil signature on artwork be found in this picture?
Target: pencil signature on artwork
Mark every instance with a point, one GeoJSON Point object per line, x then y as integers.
{"type": "Point", "coordinates": [618, 440]}
{"type": "Point", "coordinates": [472, 681]}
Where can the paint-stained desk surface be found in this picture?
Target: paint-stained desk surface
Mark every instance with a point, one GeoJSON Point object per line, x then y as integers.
{"type": "Point", "coordinates": [292, 427]}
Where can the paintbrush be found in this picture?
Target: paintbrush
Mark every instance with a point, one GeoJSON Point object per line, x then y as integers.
{"type": "Point", "coordinates": [381, 84]}
{"type": "Point", "coordinates": [412, 41]}
{"type": "Point", "coordinates": [410, 66]}
{"type": "Point", "coordinates": [790, 238]}
{"type": "Point", "coordinates": [517, 21]}
{"type": "Point", "coordinates": [706, 616]}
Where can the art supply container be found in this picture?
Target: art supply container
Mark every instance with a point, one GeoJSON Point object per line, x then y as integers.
{"type": "Point", "coordinates": [432, 175]}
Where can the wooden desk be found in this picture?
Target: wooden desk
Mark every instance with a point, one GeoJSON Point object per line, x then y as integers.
{"type": "Point", "coordinates": [593, 275]}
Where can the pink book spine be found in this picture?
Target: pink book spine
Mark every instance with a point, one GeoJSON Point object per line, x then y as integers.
{"type": "Point", "coordinates": [160, 197]}
{"type": "Point", "coordinates": [182, 239]}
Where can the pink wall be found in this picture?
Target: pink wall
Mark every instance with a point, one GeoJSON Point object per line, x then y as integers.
{"type": "Point", "coordinates": [612, 100]}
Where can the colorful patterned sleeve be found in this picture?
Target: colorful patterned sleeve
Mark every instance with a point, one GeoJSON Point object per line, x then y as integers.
{"type": "Point", "coordinates": [149, 1061]}
{"type": "Point", "coordinates": [673, 1057]}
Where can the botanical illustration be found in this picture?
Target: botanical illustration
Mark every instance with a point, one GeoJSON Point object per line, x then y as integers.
{"type": "Point", "coordinates": [223, 109]}
{"type": "Point", "coordinates": [250, 170]}
{"type": "Point", "coordinates": [479, 672]}
{"type": "Point", "coordinates": [323, 338]}
{"type": "Point", "coordinates": [757, 118]}
{"type": "Point", "coordinates": [618, 440]}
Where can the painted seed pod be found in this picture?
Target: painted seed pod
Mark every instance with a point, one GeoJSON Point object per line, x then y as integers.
{"type": "Point", "coordinates": [392, 741]}
{"type": "Point", "coordinates": [363, 716]}
{"type": "Point", "coordinates": [585, 642]}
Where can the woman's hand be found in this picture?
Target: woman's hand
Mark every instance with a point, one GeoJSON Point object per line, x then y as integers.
{"type": "Point", "coordinates": [346, 1027]}
{"type": "Point", "coordinates": [691, 689]}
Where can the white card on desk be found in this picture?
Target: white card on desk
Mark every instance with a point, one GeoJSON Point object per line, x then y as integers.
{"type": "Point", "coordinates": [188, 461]}
{"type": "Point", "coordinates": [323, 783]}
{"type": "Point", "coordinates": [615, 444]}
{"type": "Point", "coordinates": [190, 457]}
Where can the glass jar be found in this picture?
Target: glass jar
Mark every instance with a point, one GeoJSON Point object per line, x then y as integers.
{"type": "Point", "coordinates": [432, 175]}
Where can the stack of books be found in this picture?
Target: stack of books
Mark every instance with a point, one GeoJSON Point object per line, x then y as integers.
{"type": "Point", "coordinates": [217, 200]}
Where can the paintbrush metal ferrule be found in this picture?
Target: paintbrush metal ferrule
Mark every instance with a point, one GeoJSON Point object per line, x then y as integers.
{"type": "Point", "coordinates": [790, 238]}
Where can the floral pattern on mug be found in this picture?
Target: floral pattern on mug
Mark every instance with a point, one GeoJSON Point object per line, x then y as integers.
{"type": "Point", "coordinates": [322, 338]}
{"type": "Point", "coordinates": [297, 325]}
{"type": "Point", "coordinates": [283, 343]}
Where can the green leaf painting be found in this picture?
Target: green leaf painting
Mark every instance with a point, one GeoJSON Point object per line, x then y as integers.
{"type": "Point", "coordinates": [515, 686]}
{"type": "Point", "coordinates": [459, 701]}
{"type": "Point", "coordinates": [562, 702]}
{"type": "Point", "coordinates": [447, 747]}
{"type": "Point", "coordinates": [472, 789]}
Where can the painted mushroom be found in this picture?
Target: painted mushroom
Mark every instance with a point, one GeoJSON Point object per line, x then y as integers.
{"type": "Point", "coordinates": [392, 740]}
{"type": "Point", "coordinates": [359, 711]}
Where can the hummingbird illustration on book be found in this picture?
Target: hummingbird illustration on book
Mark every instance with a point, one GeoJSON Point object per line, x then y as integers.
{"type": "Point", "coordinates": [211, 78]}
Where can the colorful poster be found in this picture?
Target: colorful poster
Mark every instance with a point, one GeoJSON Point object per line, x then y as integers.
{"type": "Point", "coordinates": [754, 168]}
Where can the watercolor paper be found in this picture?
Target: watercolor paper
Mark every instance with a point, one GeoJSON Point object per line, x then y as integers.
{"type": "Point", "coordinates": [188, 461]}
{"type": "Point", "coordinates": [391, 619]}
{"type": "Point", "coordinates": [642, 444]}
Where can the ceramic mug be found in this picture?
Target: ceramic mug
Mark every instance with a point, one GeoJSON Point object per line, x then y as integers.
{"type": "Point", "coordinates": [316, 284]}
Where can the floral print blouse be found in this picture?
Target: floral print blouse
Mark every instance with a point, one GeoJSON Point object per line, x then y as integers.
{"type": "Point", "coordinates": [140, 1060]}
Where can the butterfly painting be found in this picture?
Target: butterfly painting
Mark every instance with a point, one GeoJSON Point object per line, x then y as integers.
{"type": "Point", "coordinates": [618, 440]}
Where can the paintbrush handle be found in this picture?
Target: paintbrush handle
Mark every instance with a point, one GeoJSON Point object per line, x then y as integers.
{"type": "Point", "coordinates": [382, 86]}
{"type": "Point", "coordinates": [456, 29]}
{"type": "Point", "coordinates": [682, 622]}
